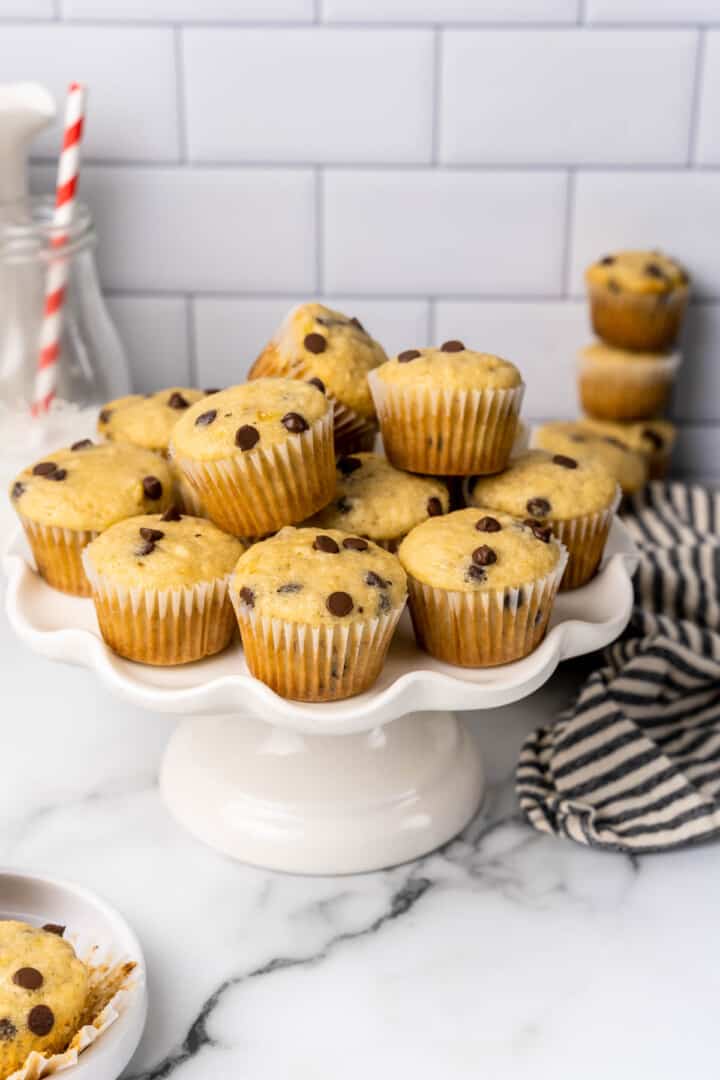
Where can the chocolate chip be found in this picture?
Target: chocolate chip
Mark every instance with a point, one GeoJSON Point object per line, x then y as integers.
{"type": "Point", "coordinates": [206, 418]}
{"type": "Point", "coordinates": [434, 506]}
{"type": "Point", "coordinates": [151, 534]}
{"type": "Point", "coordinates": [613, 285]}
{"type": "Point", "coordinates": [653, 270]}
{"type": "Point", "coordinates": [18, 489]}
{"type": "Point", "coordinates": [607, 260]}
{"type": "Point", "coordinates": [488, 524]}
{"type": "Point", "coordinates": [41, 1019]}
{"type": "Point", "coordinates": [8, 1030]}
{"type": "Point", "coordinates": [339, 603]}
{"type": "Point", "coordinates": [343, 505]}
{"type": "Point", "coordinates": [294, 423]}
{"type": "Point", "coordinates": [104, 415]}
{"type": "Point", "coordinates": [358, 325]}
{"type": "Point", "coordinates": [578, 438]}
{"type": "Point", "coordinates": [54, 928]}
{"type": "Point", "coordinates": [212, 390]}
{"type": "Point", "coordinates": [611, 440]}
{"type": "Point", "coordinates": [653, 437]}
{"type": "Point", "coordinates": [375, 581]}
{"type": "Point", "coordinates": [475, 573]}
{"type": "Point", "coordinates": [318, 383]}
{"type": "Point", "coordinates": [58, 475]}
{"type": "Point", "coordinates": [484, 556]}
{"type": "Point", "coordinates": [452, 346]}
{"type": "Point", "coordinates": [326, 544]}
{"type": "Point", "coordinates": [44, 468]}
{"type": "Point", "coordinates": [247, 436]}
{"type": "Point", "coordinates": [538, 507]}
{"type": "Point", "coordinates": [409, 354]}
{"type": "Point", "coordinates": [29, 978]}
{"type": "Point", "coordinates": [348, 465]}
{"type": "Point", "coordinates": [326, 320]}
{"type": "Point", "coordinates": [540, 531]}
{"type": "Point", "coordinates": [247, 596]}
{"type": "Point", "coordinates": [171, 514]}
{"type": "Point", "coordinates": [146, 548]}
{"type": "Point", "coordinates": [566, 462]}
{"type": "Point", "coordinates": [291, 587]}
{"type": "Point", "coordinates": [315, 343]}
{"type": "Point", "coordinates": [81, 444]}
{"type": "Point", "coordinates": [384, 603]}
{"type": "Point", "coordinates": [355, 543]}
{"type": "Point", "coordinates": [177, 401]}
{"type": "Point", "coordinates": [152, 487]}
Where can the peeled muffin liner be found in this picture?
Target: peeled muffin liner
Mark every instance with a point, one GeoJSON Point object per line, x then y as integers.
{"type": "Point", "coordinates": [258, 491]}
{"type": "Point", "coordinates": [352, 432]}
{"type": "Point", "coordinates": [486, 627]}
{"type": "Point", "coordinates": [584, 537]}
{"type": "Point", "coordinates": [305, 662]}
{"type": "Point", "coordinates": [634, 390]}
{"type": "Point", "coordinates": [58, 555]}
{"type": "Point", "coordinates": [644, 322]}
{"type": "Point", "coordinates": [446, 431]}
{"type": "Point", "coordinates": [162, 626]}
{"type": "Point", "coordinates": [111, 984]}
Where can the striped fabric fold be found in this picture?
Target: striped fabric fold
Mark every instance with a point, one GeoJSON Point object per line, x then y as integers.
{"type": "Point", "coordinates": [634, 765]}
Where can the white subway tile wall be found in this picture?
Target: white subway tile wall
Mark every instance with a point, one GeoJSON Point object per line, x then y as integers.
{"type": "Point", "coordinates": [439, 168]}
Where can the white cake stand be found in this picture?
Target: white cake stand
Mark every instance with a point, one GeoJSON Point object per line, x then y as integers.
{"type": "Point", "coordinates": [332, 788]}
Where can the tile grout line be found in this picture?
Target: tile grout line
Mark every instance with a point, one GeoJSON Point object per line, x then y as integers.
{"type": "Point", "coordinates": [180, 104]}
{"type": "Point", "coordinates": [436, 104]}
{"type": "Point", "coordinates": [569, 223]}
{"type": "Point", "coordinates": [319, 207]}
{"type": "Point", "coordinates": [190, 329]}
{"type": "Point", "coordinates": [696, 99]}
{"type": "Point", "coordinates": [480, 168]}
{"type": "Point", "coordinates": [509, 25]}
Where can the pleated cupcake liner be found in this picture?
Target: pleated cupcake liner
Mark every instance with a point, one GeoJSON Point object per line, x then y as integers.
{"type": "Point", "coordinates": [585, 537]}
{"type": "Point", "coordinates": [162, 626]}
{"type": "Point", "coordinates": [445, 431]}
{"type": "Point", "coordinates": [639, 321]}
{"type": "Point", "coordinates": [187, 498]}
{"type": "Point", "coordinates": [304, 662]}
{"type": "Point", "coordinates": [58, 555]}
{"type": "Point", "coordinates": [257, 492]}
{"type": "Point", "coordinates": [636, 390]}
{"type": "Point", "coordinates": [487, 627]}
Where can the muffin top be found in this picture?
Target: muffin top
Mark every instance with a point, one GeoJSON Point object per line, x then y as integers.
{"type": "Point", "coordinates": [638, 271]}
{"type": "Point", "coordinates": [91, 487]}
{"type": "Point", "coordinates": [547, 487]}
{"type": "Point", "coordinates": [451, 366]}
{"type": "Point", "coordinates": [319, 576]}
{"type": "Point", "coordinates": [479, 549]}
{"type": "Point", "coordinates": [374, 499]}
{"type": "Point", "coordinates": [146, 420]}
{"type": "Point", "coordinates": [579, 440]}
{"type": "Point", "coordinates": [644, 436]}
{"type": "Point", "coordinates": [600, 353]}
{"type": "Point", "coordinates": [43, 991]}
{"type": "Point", "coordinates": [331, 347]}
{"type": "Point", "coordinates": [256, 415]}
{"type": "Point", "coordinates": [163, 551]}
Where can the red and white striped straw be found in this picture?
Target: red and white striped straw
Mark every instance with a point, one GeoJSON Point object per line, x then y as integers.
{"type": "Point", "coordinates": [67, 181]}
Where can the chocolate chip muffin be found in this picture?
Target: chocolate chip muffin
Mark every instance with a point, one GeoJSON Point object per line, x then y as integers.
{"type": "Point", "coordinates": [260, 455]}
{"type": "Point", "coordinates": [637, 299]}
{"type": "Point", "coordinates": [72, 495]}
{"type": "Point", "coordinates": [317, 610]}
{"type": "Point", "coordinates": [375, 500]}
{"type": "Point", "coordinates": [654, 439]}
{"type": "Point", "coordinates": [481, 585]}
{"type": "Point", "coordinates": [575, 497]}
{"type": "Point", "coordinates": [160, 587]}
{"type": "Point", "coordinates": [616, 384]}
{"type": "Point", "coordinates": [448, 411]}
{"type": "Point", "coordinates": [336, 352]}
{"type": "Point", "coordinates": [43, 993]}
{"type": "Point", "coordinates": [580, 439]}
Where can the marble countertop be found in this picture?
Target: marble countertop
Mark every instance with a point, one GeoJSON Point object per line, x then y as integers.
{"type": "Point", "coordinates": [505, 954]}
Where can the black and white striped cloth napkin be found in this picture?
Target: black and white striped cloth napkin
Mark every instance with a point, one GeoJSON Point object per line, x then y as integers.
{"type": "Point", "coordinates": [635, 765]}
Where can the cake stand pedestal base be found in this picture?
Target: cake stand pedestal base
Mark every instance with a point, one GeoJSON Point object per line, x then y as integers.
{"type": "Point", "coordinates": [323, 804]}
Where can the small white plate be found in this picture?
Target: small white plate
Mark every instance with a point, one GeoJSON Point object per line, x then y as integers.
{"type": "Point", "coordinates": [37, 900]}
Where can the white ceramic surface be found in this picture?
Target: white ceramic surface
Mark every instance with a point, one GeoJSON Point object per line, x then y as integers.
{"type": "Point", "coordinates": [38, 899]}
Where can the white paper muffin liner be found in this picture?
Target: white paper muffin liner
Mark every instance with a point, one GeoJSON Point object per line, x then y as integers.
{"type": "Point", "coordinates": [58, 555]}
{"type": "Point", "coordinates": [585, 537]}
{"type": "Point", "coordinates": [443, 431]}
{"type": "Point", "coordinates": [635, 390]}
{"type": "Point", "coordinates": [162, 626]}
{"type": "Point", "coordinates": [315, 663]}
{"type": "Point", "coordinates": [486, 627]}
{"type": "Point", "coordinates": [257, 492]}
{"type": "Point", "coordinates": [112, 982]}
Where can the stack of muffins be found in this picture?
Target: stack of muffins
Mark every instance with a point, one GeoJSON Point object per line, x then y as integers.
{"type": "Point", "coordinates": [264, 507]}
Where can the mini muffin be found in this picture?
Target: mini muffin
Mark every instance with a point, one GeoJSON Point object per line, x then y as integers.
{"type": "Point", "coordinates": [259, 456]}
{"type": "Point", "coordinates": [375, 500]}
{"type": "Point", "coordinates": [637, 299]}
{"type": "Point", "coordinates": [576, 498]}
{"type": "Point", "coordinates": [43, 993]}
{"type": "Point", "coordinates": [160, 586]}
{"type": "Point", "coordinates": [317, 610]}
{"type": "Point", "coordinates": [579, 439]}
{"type": "Point", "coordinates": [336, 352]}
{"type": "Point", "coordinates": [448, 411]}
{"type": "Point", "coordinates": [481, 585]}
{"type": "Point", "coordinates": [147, 421]}
{"type": "Point", "coordinates": [73, 494]}
{"type": "Point", "coordinates": [616, 384]}
{"type": "Point", "coordinates": [654, 439]}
